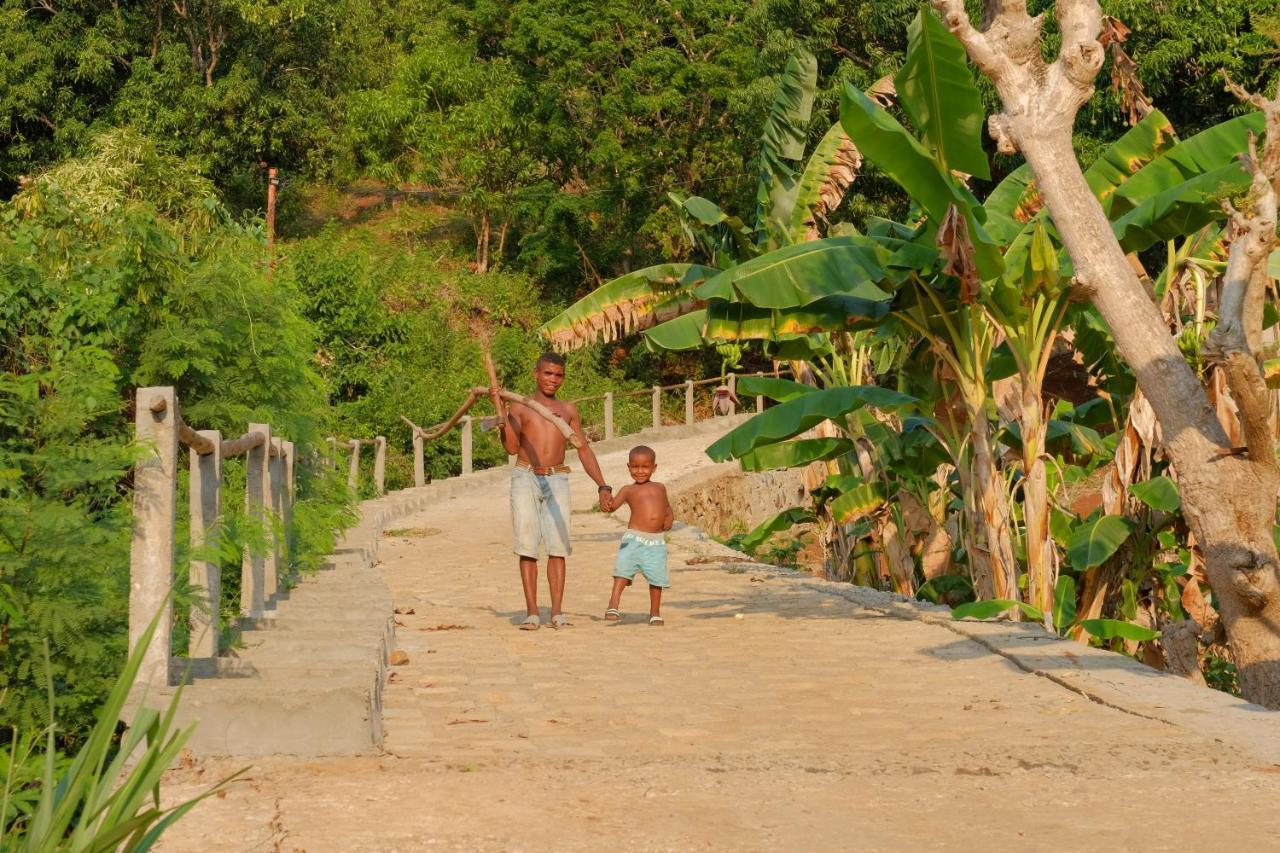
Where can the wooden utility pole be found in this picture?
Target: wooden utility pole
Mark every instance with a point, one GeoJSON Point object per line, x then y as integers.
{"type": "Point", "coordinates": [273, 181]}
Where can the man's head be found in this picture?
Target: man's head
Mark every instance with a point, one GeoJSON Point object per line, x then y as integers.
{"type": "Point", "coordinates": [548, 373]}
{"type": "Point", "coordinates": [641, 463]}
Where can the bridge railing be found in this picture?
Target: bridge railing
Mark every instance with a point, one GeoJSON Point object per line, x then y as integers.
{"type": "Point", "coordinates": [270, 482]}
{"type": "Point", "coordinates": [379, 445]}
{"type": "Point", "coordinates": [723, 402]}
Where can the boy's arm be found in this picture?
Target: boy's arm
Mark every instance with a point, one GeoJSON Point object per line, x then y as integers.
{"type": "Point", "coordinates": [587, 456]}
{"type": "Point", "coordinates": [509, 430]}
{"type": "Point", "coordinates": [608, 502]}
{"type": "Point", "coordinates": [669, 518]}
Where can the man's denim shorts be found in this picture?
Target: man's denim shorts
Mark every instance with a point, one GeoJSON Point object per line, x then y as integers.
{"type": "Point", "coordinates": [540, 513]}
{"type": "Point", "coordinates": [643, 553]}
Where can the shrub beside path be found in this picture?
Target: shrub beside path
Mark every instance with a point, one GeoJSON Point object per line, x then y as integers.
{"type": "Point", "coordinates": [768, 714]}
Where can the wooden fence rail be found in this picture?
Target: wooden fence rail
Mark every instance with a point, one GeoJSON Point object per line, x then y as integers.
{"type": "Point", "coordinates": [379, 445]}
{"type": "Point", "coordinates": [724, 402]}
{"type": "Point", "coordinates": [269, 494]}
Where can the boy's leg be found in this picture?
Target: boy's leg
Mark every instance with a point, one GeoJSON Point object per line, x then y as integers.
{"type": "Point", "coordinates": [529, 580]}
{"type": "Point", "coordinates": [615, 597]}
{"type": "Point", "coordinates": [655, 600]}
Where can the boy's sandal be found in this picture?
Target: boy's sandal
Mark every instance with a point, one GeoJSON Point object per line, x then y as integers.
{"type": "Point", "coordinates": [560, 621]}
{"type": "Point", "coordinates": [531, 623]}
{"type": "Point", "coordinates": [657, 620]}
{"type": "Point", "coordinates": [612, 615]}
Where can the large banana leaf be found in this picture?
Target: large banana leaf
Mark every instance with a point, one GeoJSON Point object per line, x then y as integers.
{"type": "Point", "coordinates": [627, 304]}
{"type": "Point", "coordinates": [835, 266]}
{"type": "Point", "coordinates": [722, 321]}
{"type": "Point", "coordinates": [782, 142]}
{"type": "Point", "coordinates": [936, 89]}
{"type": "Point", "coordinates": [721, 226]}
{"type": "Point", "coordinates": [729, 321]}
{"type": "Point", "coordinates": [682, 333]}
{"type": "Point", "coordinates": [1207, 151]}
{"type": "Point", "coordinates": [784, 520]}
{"type": "Point", "coordinates": [1140, 145]}
{"type": "Point", "coordinates": [787, 420]}
{"type": "Point", "coordinates": [1179, 210]}
{"type": "Point", "coordinates": [794, 454]}
{"type": "Point", "coordinates": [775, 388]}
{"type": "Point", "coordinates": [887, 143]}
{"type": "Point", "coordinates": [832, 166]}
{"type": "Point", "coordinates": [857, 502]}
{"type": "Point", "coordinates": [1130, 154]}
{"type": "Point", "coordinates": [1007, 205]}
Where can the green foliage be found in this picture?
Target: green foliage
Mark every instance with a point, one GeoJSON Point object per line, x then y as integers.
{"type": "Point", "coordinates": [106, 796]}
{"type": "Point", "coordinates": [113, 276]}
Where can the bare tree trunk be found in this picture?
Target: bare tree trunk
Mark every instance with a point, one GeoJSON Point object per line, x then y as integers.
{"type": "Point", "coordinates": [990, 535]}
{"type": "Point", "coordinates": [1041, 568]}
{"type": "Point", "coordinates": [1229, 501]}
{"type": "Point", "coordinates": [482, 243]}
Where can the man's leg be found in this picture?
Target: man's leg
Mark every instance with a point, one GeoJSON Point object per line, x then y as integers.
{"type": "Point", "coordinates": [529, 579]}
{"type": "Point", "coordinates": [555, 580]}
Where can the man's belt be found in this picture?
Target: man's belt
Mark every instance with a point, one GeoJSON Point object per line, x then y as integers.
{"type": "Point", "coordinates": [543, 472]}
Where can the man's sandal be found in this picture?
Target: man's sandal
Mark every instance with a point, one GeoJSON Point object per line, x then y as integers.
{"type": "Point", "coordinates": [532, 622]}
{"type": "Point", "coordinates": [657, 621]}
{"type": "Point", "coordinates": [559, 620]}
{"type": "Point", "coordinates": [612, 615]}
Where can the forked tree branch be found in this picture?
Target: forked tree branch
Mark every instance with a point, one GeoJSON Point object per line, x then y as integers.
{"type": "Point", "coordinates": [1236, 343]}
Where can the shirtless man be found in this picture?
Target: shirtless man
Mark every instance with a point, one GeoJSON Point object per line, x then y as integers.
{"type": "Point", "coordinates": [540, 486]}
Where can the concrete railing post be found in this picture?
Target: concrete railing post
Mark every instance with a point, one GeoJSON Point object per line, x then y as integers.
{"type": "Point", "coordinates": [657, 406]}
{"type": "Point", "coordinates": [759, 403]}
{"type": "Point", "coordinates": [379, 466]}
{"type": "Point", "coordinates": [608, 415]}
{"type": "Point", "coordinates": [275, 516]}
{"type": "Point", "coordinates": [206, 575]}
{"type": "Point", "coordinates": [419, 460]}
{"type": "Point", "coordinates": [333, 451]}
{"type": "Point", "coordinates": [688, 401]}
{"type": "Point", "coordinates": [353, 472]}
{"type": "Point", "coordinates": [466, 445]}
{"type": "Point", "coordinates": [290, 493]}
{"type": "Point", "coordinates": [151, 556]}
{"type": "Point", "coordinates": [257, 492]}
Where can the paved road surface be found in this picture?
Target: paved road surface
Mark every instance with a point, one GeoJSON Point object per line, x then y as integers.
{"type": "Point", "coordinates": [807, 724]}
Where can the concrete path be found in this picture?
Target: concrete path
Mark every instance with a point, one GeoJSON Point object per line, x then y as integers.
{"type": "Point", "coordinates": [769, 714]}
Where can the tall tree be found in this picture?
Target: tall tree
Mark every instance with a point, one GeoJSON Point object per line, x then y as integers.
{"type": "Point", "coordinates": [1229, 497]}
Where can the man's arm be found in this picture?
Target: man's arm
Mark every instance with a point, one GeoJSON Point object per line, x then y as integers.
{"type": "Point", "coordinates": [509, 431]}
{"type": "Point", "coordinates": [586, 455]}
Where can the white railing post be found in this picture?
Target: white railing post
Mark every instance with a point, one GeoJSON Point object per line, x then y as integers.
{"type": "Point", "coordinates": [657, 406]}
{"type": "Point", "coordinates": [608, 415]}
{"type": "Point", "coordinates": [379, 466]}
{"type": "Point", "coordinates": [333, 451]}
{"type": "Point", "coordinates": [353, 472]}
{"type": "Point", "coordinates": [466, 445]}
{"type": "Point", "coordinates": [759, 403]}
{"type": "Point", "coordinates": [206, 575]}
{"type": "Point", "coordinates": [257, 490]}
{"type": "Point", "coordinates": [688, 401]}
{"type": "Point", "coordinates": [151, 556]}
{"type": "Point", "coordinates": [274, 517]}
{"type": "Point", "coordinates": [419, 460]}
{"type": "Point", "coordinates": [290, 493]}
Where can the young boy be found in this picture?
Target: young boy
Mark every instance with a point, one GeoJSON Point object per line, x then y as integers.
{"type": "Point", "coordinates": [643, 549]}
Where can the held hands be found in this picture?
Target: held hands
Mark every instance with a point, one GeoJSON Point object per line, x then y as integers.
{"type": "Point", "coordinates": [606, 499]}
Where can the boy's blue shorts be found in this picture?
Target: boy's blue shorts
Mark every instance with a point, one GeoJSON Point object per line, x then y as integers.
{"type": "Point", "coordinates": [643, 553]}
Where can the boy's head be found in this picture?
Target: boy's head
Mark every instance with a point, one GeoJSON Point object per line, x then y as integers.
{"type": "Point", "coordinates": [641, 463]}
{"type": "Point", "coordinates": [548, 373]}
